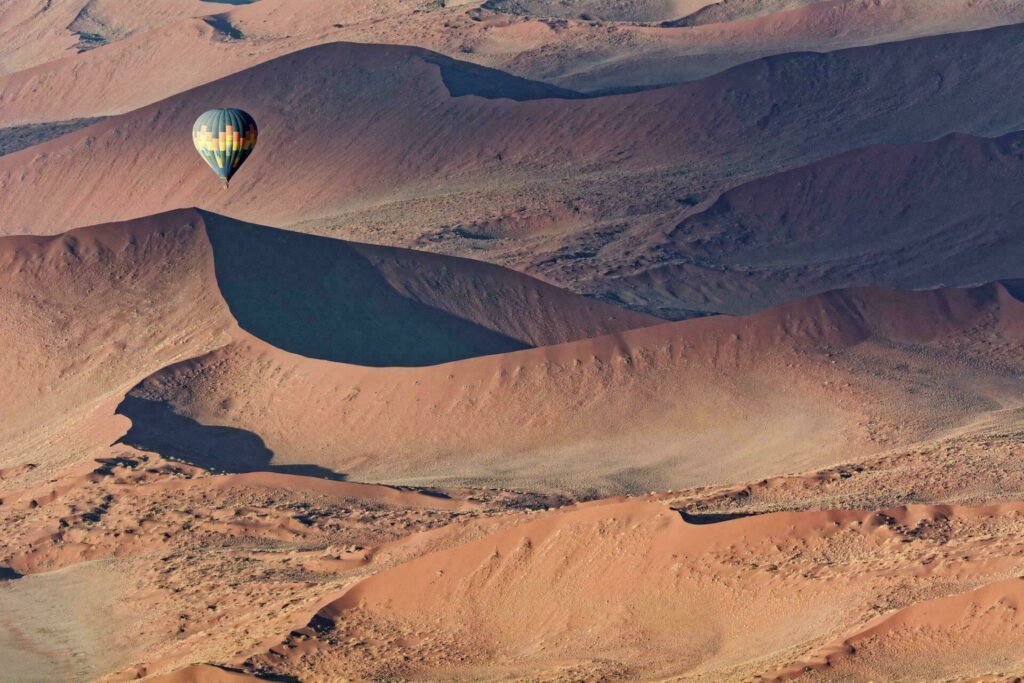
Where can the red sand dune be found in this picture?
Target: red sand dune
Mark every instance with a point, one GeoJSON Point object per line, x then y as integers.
{"type": "Point", "coordinates": [977, 634]}
{"type": "Point", "coordinates": [371, 305]}
{"type": "Point", "coordinates": [431, 170]}
{"type": "Point", "coordinates": [33, 33]}
{"type": "Point", "coordinates": [589, 55]}
{"type": "Point", "coordinates": [90, 313]}
{"type": "Point", "coordinates": [930, 214]}
{"type": "Point", "coordinates": [643, 595]}
{"type": "Point", "coordinates": [179, 566]}
{"type": "Point", "coordinates": [204, 673]}
{"type": "Point", "coordinates": [581, 54]}
{"type": "Point", "coordinates": [145, 66]}
{"type": "Point", "coordinates": [608, 10]}
{"type": "Point", "coordinates": [644, 409]}
{"type": "Point", "coordinates": [784, 390]}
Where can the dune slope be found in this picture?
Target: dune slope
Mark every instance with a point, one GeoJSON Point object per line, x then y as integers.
{"type": "Point", "coordinates": [89, 314]}
{"type": "Point", "coordinates": [591, 54]}
{"type": "Point", "coordinates": [569, 190]}
{"type": "Point", "coordinates": [644, 595]}
{"type": "Point", "coordinates": [370, 305]}
{"type": "Point", "coordinates": [685, 404]}
{"type": "Point", "coordinates": [942, 213]}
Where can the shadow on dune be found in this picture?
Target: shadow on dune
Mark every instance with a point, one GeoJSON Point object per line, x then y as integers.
{"type": "Point", "coordinates": [320, 298]}
{"type": "Point", "coordinates": [157, 428]}
{"type": "Point", "coordinates": [1015, 288]}
{"type": "Point", "coordinates": [712, 517]}
{"type": "Point", "coordinates": [465, 78]}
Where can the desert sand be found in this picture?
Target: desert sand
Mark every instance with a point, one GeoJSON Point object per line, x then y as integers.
{"type": "Point", "coordinates": [475, 163]}
{"type": "Point", "coordinates": [537, 340]}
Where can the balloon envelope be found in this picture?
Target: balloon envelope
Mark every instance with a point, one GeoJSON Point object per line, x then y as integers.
{"type": "Point", "coordinates": [224, 138]}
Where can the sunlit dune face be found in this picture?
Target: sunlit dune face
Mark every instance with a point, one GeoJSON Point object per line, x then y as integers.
{"type": "Point", "coordinates": [511, 340]}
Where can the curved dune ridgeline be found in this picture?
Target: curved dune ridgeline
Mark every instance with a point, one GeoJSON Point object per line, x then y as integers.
{"type": "Point", "coordinates": [573, 190]}
{"type": "Point", "coordinates": [547, 340]}
{"type": "Point", "coordinates": [90, 313]}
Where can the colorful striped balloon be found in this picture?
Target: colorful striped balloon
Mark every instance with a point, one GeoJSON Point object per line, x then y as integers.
{"type": "Point", "coordinates": [224, 138]}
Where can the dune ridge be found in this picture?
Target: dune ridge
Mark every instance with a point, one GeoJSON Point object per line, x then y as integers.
{"type": "Point", "coordinates": [567, 415]}
{"type": "Point", "coordinates": [572, 168]}
{"type": "Point", "coordinates": [891, 215]}
{"type": "Point", "coordinates": [593, 54]}
{"type": "Point", "coordinates": [90, 313]}
{"type": "Point", "coordinates": [631, 575]}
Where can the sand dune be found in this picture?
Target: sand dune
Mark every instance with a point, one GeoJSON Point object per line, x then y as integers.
{"type": "Point", "coordinates": [562, 416]}
{"type": "Point", "coordinates": [985, 625]}
{"type": "Point", "coordinates": [566, 416]}
{"type": "Point", "coordinates": [368, 305]}
{"type": "Point", "coordinates": [588, 182]}
{"type": "Point", "coordinates": [590, 55]}
{"type": "Point", "coordinates": [643, 595]}
{"type": "Point", "coordinates": [33, 33]}
{"type": "Point", "coordinates": [180, 566]}
{"type": "Point", "coordinates": [600, 56]}
{"type": "Point", "coordinates": [204, 673]}
{"type": "Point", "coordinates": [89, 314]}
{"type": "Point", "coordinates": [633, 10]}
{"type": "Point", "coordinates": [940, 213]}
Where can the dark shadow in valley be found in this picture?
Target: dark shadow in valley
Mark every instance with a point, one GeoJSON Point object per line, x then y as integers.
{"type": "Point", "coordinates": [8, 574]}
{"type": "Point", "coordinates": [322, 298]}
{"type": "Point", "coordinates": [712, 517]}
{"type": "Point", "coordinates": [157, 428]}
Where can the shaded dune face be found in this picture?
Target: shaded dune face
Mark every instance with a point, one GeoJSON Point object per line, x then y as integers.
{"type": "Point", "coordinates": [378, 306]}
{"type": "Point", "coordinates": [375, 146]}
{"type": "Point", "coordinates": [785, 388]}
{"type": "Point", "coordinates": [322, 299]}
{"type": "Point", "coordinates": [90, 313]}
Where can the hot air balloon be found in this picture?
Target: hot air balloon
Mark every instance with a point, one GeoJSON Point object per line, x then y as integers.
{"type": "Point", "coordinates": [224, 138]}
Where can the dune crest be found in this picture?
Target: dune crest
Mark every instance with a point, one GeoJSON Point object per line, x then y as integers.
{"type": "Point", "coordinates": [573, 190]}
{"type": "Point", "coordinates": [567, 414]}
{"type": "Point", "coordinates": [83, 310]}
{"type": "Point", "coordinates": [632, 577]}
{"type": "Point", "coordinates": [547, 340]}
